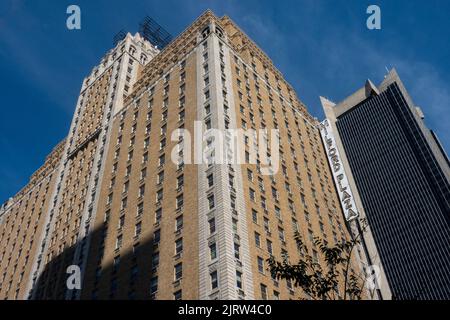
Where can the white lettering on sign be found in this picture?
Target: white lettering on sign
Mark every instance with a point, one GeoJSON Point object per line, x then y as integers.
{"type": "Point", "coordinates": [340, 179]}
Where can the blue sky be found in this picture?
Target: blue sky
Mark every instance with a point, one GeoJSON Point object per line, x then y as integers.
{"type": "Point", "coordinates": [321, 47]}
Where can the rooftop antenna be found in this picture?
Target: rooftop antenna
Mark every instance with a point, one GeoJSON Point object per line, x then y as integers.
{"type": "Point", "coordinates": [119, 36]}
{"type": "Point", "coordinates": [387, 71]}
{"type": "Point", "coordinates": [151, 31]}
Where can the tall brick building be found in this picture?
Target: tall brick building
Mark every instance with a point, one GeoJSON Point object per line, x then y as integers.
{"type": "Point", "coordinates": [111, 200]}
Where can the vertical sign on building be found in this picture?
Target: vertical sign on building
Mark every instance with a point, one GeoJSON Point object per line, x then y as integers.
{"type": "Point", "coordinates": [339, 176]}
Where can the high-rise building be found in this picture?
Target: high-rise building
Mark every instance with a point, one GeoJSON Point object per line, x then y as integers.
{"type": "Point", "coordinates": [39, 242]}
{"type": "Point", "coordinates": [22, 221]}
{"type": "Point", "coordinates": [400, 178]}
{"type": "Point", "coordinates": [157, 191]}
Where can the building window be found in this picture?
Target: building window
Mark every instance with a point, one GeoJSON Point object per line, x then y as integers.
{"type": "Point", "coordinates": [266, 225]}
{"type": "Point", "coordinates": [123, 204]}
{"type": "Point", "coordinates": [269, 246]}
{"type": "Point", "coordinates": [237, 254]}
{"type": "Point", "coordinates": [289, 284]}
{"type": "Point", "coordinates": [263, 292]}
{"type": "Point", "coordinates": [214, 280]}
{"type": "Point", "coordinates": [263, 203]}
{"type": "Point", "coordinates": [177, 295]}
{"type": "Point", "coordinates": [281, 234]}
{"type": "Point", "coordinates": [179, 201]}
{"type": "Point", "coordinates": [239, 279]}
{"type": "Point", "coordinates": [160, 177]}
{"type": "Point", "coordinates": [107, 216]}
{"type": "Point", "coordinates": [134, 273]}
{"type": "Point", "coordinates": [260, 264]}
{"type": "Point", "coordinates": [162, 160]}
{"type": "Point", "coordinates": [121, 222]}
{"type": "Point", "coordinates": [155, 260]}
{"type": "Point", "coordinates": [138, 229]}
{"type": "Point", "coordinates": [159, 195]}
{"type": "Point", "coordinates": [179, 223]}
{"type": "Point", "coordinates": [213, 251]}
{"type": "Point", "coordinates": [211, 203]}
{"type": "Point", "coordinates": [153, 285]}
{"type": "Point", "coordinates": [274, 193]}
{"type": "Point", "coordinates": [252, 194]}
{"type": "Point", "coordinates": [315, 256]}
{"type": "Point", "coordinates": [158, 215]}
{"type": "Point", "coordinates": [212, 225]}
{"type": "Point", "coordinates": [278, 212]}
{"type": "Point", "coordinates": [180, 181]}
{"type": "Point", "coordinates": [257, 239]}
{"type": "Point", "coordinates": [210, 180]}
{"type": "Point", "coordinates": [276, 295]}
{"type": "Point", "coordinates": [179, 246]}
{"type": "Point", "coordinates": [234, 224]}
{"type": "Point", "coordinates": [162, 144]}
{"type": "Point", "coordinates": [141, 190]}
{"type": "Point", "coordinates": [125, 187]}
{"type": "Point", "coordinates": [157, 236]}
{"type": "Point", "coordinates": [208, 124]}
{"type": "Point", "coordinates": [178, 271]}
{"type": "Point", "coordinates": [311, 235]}
{"type": "Point", "coordinates": [255, 216]}
{"type": "Point", "coordinates": [145, 158]}
{"type": "Point", "coordinates": [119, 242]}
{"type": "Point", "coordinates": [250, 175]}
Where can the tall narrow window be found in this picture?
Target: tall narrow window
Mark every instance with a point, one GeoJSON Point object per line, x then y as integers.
{"type": "Point", "coordinates": [263, 292]}
{"type": "Point", "coordinates": [214, 280]}
{"type": "Point", "coordinates": [239, 279]}
{"type": "Point", "coordinates": [138, 229]}
{"type": "Point", "coordinates": [179, 223]}
{"type": "Point", "coordinates": [260, 264]}
{"type": "Point", "coordinates": [119, 242]}
{"type": "Point", "coordinates": [179, 246]}
{"type": "Point", "coordinates": [211, 203]}
{"type": "Point", "coordinates": [178, 271]}
{"type": "Point", "coordinates": [257, 239]}
{"type": "Point", "coordinates": [212, 225]}
{"type": "Point", "coordinates": [213, 251]}
{"type": "Point", "coordinates": [153, 285]}
{"type": "Point", "coordinates": [158, 215]}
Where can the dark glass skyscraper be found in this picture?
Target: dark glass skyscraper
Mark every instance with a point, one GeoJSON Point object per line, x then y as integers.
{"type": "Point", "coordinates": [402, 177]}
